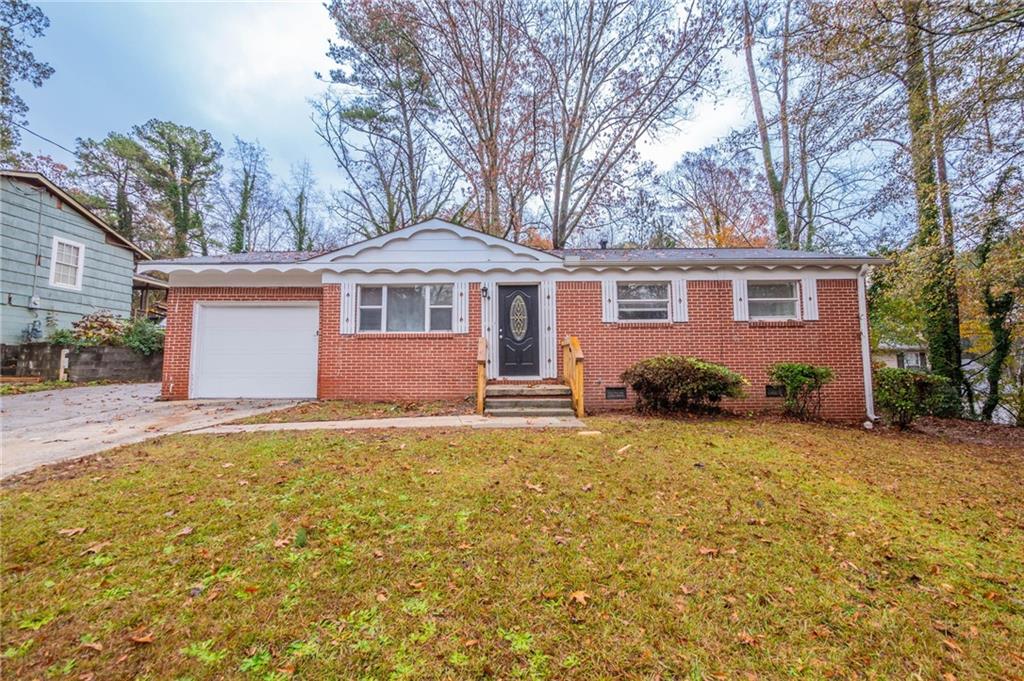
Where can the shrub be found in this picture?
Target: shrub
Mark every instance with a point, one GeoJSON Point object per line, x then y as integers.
{"type": "Point", "coordinates": [904, 394]}
{"type": "Point", "coordinates": [671, 383]}
{"type": "Point", "coordinates": [62, 337]}
{"type": "Point", "coordinates": [801, 385]}
{"type": "Point", "coordinates": [99, 328]}
{"type": "Point", "coordinates": [143, 336]}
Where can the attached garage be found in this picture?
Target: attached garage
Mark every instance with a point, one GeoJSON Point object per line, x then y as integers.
{"type": "Point", "coordinates": [254, 350]}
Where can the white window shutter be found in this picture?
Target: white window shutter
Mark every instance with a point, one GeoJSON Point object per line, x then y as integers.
{"type": "Point", "coordinates": [489, 325]}
{"type": "Point", "coordinates": [680, 311]}
{"type": "Point", "coordinates": [348, 308]}
{"type": "Point", "coordinates": [739, 300]}
{"type": "Point", "coordinates": [548, 331]}
{"type": "Point", "coordinates": [460, 309]}
{"type": "Point", "coordinates": [608, 301]}
{"type": "Point", "coordinates": [809, 291]}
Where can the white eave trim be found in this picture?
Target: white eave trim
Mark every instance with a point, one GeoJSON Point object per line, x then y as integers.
{"type": "Point", "coordinates": [796, 263]}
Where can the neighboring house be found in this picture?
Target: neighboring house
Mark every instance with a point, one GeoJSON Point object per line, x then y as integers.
{"type": "Point", "coordinates": [901, 356]}
{"type": "Point", "coordinates": [58, 262]}
{"type": "Point", "coordinates": [401, 316]}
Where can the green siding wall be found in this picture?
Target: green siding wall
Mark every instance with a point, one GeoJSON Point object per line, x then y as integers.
{"type": "Point", "coordinates": [106, 277]}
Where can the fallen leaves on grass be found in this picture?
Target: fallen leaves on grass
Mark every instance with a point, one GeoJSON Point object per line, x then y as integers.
{"type": "Point", "coordinates": [71, 531]}
{"type": "Point", "coordinates": [579, 597]}
{"type": "Point", "coordinates": [535, 488]}
{"type": "Point", "coordinates": [707, 551]}
{"type": "Point", "coordinates": [184, 532]}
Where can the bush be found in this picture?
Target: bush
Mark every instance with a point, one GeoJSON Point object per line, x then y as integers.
{"type": "Point", "coordinates": [801, 385]}
{"type": "Point", "coordinates": [671, 383]}
{"type": "Point", "coordinates": [143, 336]}
{"type": "Point", "coordinates": [904, 394]}
{"type": "Point", "coordinates": [62, 337]}
{"type": "Point", "coordinates": [99, 328]}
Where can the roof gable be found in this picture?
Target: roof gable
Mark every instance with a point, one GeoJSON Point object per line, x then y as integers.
{"type": "Point", "coordinates": [40, 180]}
{"type": "Point", "coordinates": [436, 241]}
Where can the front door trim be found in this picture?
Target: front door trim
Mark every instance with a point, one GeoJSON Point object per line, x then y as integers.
{"type": "Point", "coordinates": [519, 333]}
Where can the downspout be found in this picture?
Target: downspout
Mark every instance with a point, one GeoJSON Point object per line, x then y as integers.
{"type": "Point", "coordinates": [865, 342]}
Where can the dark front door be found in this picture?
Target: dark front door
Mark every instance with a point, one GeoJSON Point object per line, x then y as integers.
{"type": "Point", "coordinates": [518, 347]}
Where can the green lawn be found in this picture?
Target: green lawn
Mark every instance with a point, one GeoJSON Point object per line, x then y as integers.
{"type": "Point", "coordinates": [724, 548]}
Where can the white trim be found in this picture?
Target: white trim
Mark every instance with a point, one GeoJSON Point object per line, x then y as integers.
{"type": "Point", "coordinates": [348, 308]}
{"type": "Point", "coordinates": [680, 301]}
{"type": "Point", "coordinates": [512, 249]}
{"type": "Point", "coordinates": [774, 318]}
{"type": "Point", "coordinates": [79, 269]}
{"type": "Point", "coordinates": [489, 324]}
{"type": "Point", "coordinates": [548, 332]}
{"type": "Point", "coordinates": [809, 294]}
{"type": "Point", "coordinates": [609, 300]}
{"type": "Point", "coordinates": [865, 343]}
{"type": "Point", "coordinates": [460, 307]}
{"type": "Point", "coordinates": [739, 299]}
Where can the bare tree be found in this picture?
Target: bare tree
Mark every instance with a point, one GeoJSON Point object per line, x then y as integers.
{"type": "Point", "coordinates": [374, 119]}
{"type": "Point", "coordinates": [250, 207]}
{"type": "Point", "coordinates": [477, 53]}
{"type": "Point", "coordinates": [719, 200]}
{"type": "Point", "coordinates": [619, 70]}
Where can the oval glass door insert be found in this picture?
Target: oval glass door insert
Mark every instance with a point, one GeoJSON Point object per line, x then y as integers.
{"type": "Point", "coordinates": [517, 317]}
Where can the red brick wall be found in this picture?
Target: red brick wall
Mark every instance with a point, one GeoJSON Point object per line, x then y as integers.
{"type": "Point", "coordinates": [178, 341]}
{"type": "Point", "coordinates": [711, 334]}
{"type": "Point", "coordinates": [390, 366]}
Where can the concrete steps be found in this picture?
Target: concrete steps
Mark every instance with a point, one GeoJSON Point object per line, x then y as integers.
{"type": "Point", "coordinates": [518, 399]}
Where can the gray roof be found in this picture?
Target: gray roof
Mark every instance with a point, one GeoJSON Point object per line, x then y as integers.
{"type": "Point", "coordinates": [627, 256]}
{"type": "Point", "coordinates": [704, 255]}
{"type": "Point", "coordinates": [254, 258]}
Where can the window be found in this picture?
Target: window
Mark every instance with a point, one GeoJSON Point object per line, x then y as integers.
{"type": "Point", "coordinates": [772, 299]}
{"type": "Point", "coordinates": [911, 360]}
{"type": "Point", "coordinates": [66, 262]}
{"type": "Point", "coordinates": [642, 301]}
{"type": "Point", "coordinates": [405, 308]}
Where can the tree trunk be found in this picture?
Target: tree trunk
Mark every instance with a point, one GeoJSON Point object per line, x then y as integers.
{"type": "Point", "coordinates": [775, 187]}
{"type": "Point", "coordinates": [941, 323]}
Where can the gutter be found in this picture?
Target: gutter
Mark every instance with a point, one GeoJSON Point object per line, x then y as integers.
{"type": "Point", "coordinates": [574, 261]}
{"type": "Point", "coordinates": [865, 343]}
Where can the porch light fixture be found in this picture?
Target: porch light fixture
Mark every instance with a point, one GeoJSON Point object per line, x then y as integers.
{"type": "Point", "coordinates": [483, 292]}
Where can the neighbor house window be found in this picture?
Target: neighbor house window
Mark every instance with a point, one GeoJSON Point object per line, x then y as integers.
{"type": "Point", "coordinates": [405, 308]}
{"type": "Point", "coordinates": [66, 262]}
{"type": "Point", "coordinates": [642, 301]}
{"type": "Point", "coordinates": [773, 299]}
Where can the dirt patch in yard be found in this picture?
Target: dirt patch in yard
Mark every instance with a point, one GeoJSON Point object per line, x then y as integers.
{"type": "Point", "coordinates": [971, 432]}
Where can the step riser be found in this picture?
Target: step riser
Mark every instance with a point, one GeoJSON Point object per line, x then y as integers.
{"type": "Point", "coordinates": [530, 413]}
{"type": "Point", "coordinates": [528, 391]}
{"type": "Point", "coordinates": [529, 402]}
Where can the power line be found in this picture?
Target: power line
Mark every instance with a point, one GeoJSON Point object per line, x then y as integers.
{"type": "Point", "coordinates": [45, 139]}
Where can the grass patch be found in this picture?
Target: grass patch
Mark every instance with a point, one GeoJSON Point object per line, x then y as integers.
{"type": "Point", "coordinates": [342, 410]}
{"type": "Point", "coordinates": [706, 549]}
{"type": "Point", "coordinates": [23, 388]}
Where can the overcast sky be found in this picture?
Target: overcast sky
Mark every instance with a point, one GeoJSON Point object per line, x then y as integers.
{"type": "Point", "coordinates": [233, 68]}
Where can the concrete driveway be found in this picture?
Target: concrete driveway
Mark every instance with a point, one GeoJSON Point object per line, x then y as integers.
{"type": "Point", "coordinates": [56, 425]}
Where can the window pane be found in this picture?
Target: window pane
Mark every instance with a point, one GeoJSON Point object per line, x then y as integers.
{"type": "Point", "coordinates": [773, 308]}
{"type": "Point", "coordinates": [63, 274]}
{"type": "Point", "coordinates": [773, 289]}
{"type": "Point", "coordinates": [642, 314]}
{"type": "Point", "coordinates": [441, 295]}
{"type": "Point", "coordinates": [642, 291]}
{"type": "Point", "coordinates": [66, 254]}
{"type": "Point", "coordinates": [406, 308]}
{"type": "Point", "coordinates": [369, 319]}
{"type": "Point", "coordinates": [441, 319]}
{"type": "Point", "coordinates": [369, 295]}
{"type": "Point", "coordinates": [643, 305]}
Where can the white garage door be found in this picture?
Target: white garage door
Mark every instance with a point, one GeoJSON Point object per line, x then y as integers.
{"type": "Point", "coordinates": [254, 351]}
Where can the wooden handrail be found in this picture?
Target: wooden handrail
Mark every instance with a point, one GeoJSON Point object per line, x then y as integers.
{"type": "Point", "coordinates": [572, 371]}
{"type": "Point", "coordinates": [481, 373]}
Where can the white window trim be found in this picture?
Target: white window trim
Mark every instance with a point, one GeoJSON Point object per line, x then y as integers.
{"type": "Point", "coordinates": [668, 303]}
{"type": "Point", "coordinates": [383, 307]}
{"type": "Point", "coordinates": [784, 318]}
{"type": "Point", "coordinates": [53, 263]}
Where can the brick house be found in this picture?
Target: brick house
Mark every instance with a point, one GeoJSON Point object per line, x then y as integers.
{"type": "Point", "coordinates": [437, 312]}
